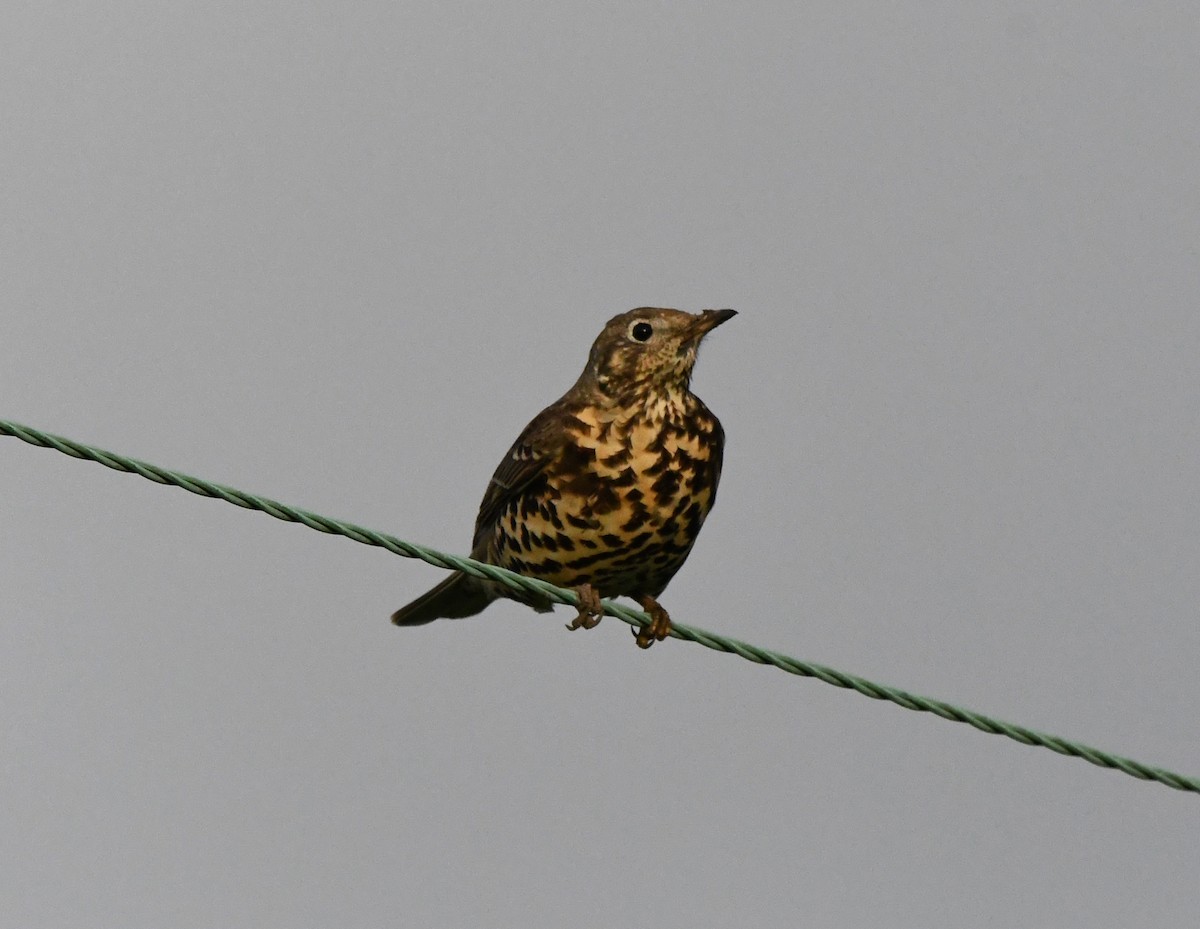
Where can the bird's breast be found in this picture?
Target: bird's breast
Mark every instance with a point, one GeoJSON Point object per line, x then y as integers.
{"type": "Point", "coordinates": [621, 503]}
{"type": "Point", "coordinates": [624, 501]}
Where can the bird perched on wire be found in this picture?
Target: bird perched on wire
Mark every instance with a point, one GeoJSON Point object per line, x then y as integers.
{"type": "Point", "coordinates": [606, 489]}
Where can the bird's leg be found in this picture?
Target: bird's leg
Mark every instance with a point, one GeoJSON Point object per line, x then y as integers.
{"type": "Point", "coordinates": [660, 623]}
{"type": "Point", "coordinates": [590, 610]}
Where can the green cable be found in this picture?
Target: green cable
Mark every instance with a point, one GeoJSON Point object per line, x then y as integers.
{"type": "Point", "coordinates": [633, 617]}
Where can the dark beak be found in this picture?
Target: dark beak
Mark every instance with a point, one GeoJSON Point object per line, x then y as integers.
{"type": "Point", "coordinates": [709, 320]}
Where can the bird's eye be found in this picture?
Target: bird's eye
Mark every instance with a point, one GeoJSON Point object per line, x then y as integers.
{"type": "Point", "coordinates": [641, 331]}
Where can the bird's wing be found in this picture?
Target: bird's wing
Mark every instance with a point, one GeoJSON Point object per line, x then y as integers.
{"type": "Point", "coordinates": [537, 445]}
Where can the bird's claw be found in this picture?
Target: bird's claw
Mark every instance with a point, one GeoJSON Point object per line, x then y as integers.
{"type": "Point", "coordinates": [590, 609]}
{"type": "Point", "coordinates": [659, 626]}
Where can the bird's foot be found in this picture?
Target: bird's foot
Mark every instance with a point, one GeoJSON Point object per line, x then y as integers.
{"type": "Point", "coordinates": [590, 610]}
{"type": "Point", "coordinates": [659, 627]}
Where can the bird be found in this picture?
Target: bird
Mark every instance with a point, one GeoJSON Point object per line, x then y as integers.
{"type": "Point", "coordinates": [606, 489]}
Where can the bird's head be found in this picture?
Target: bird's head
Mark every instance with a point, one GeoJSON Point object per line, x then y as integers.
{"type": "Point", "coordinates": [649, 350]}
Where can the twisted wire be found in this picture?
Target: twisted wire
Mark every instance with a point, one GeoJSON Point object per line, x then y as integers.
{"type": "Point", "coordinates": [634, 617]}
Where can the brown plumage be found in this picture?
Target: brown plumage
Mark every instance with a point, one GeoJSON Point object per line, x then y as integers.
{"type": "Point", "coordinates": [606, 489]}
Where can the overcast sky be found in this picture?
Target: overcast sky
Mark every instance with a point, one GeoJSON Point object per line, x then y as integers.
{"type": "Point", "coordinates": [339, 254]}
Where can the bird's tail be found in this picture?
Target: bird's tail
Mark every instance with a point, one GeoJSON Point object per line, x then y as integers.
{"type": "Point", "coordinates": [458, 596]}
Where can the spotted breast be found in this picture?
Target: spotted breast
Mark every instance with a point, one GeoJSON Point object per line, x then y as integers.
{"type": "Point", "coordinates": [623, 504]}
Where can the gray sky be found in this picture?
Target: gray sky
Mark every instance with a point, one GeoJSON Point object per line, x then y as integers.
{"type": "Point", "coordinates": [340, 254]}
